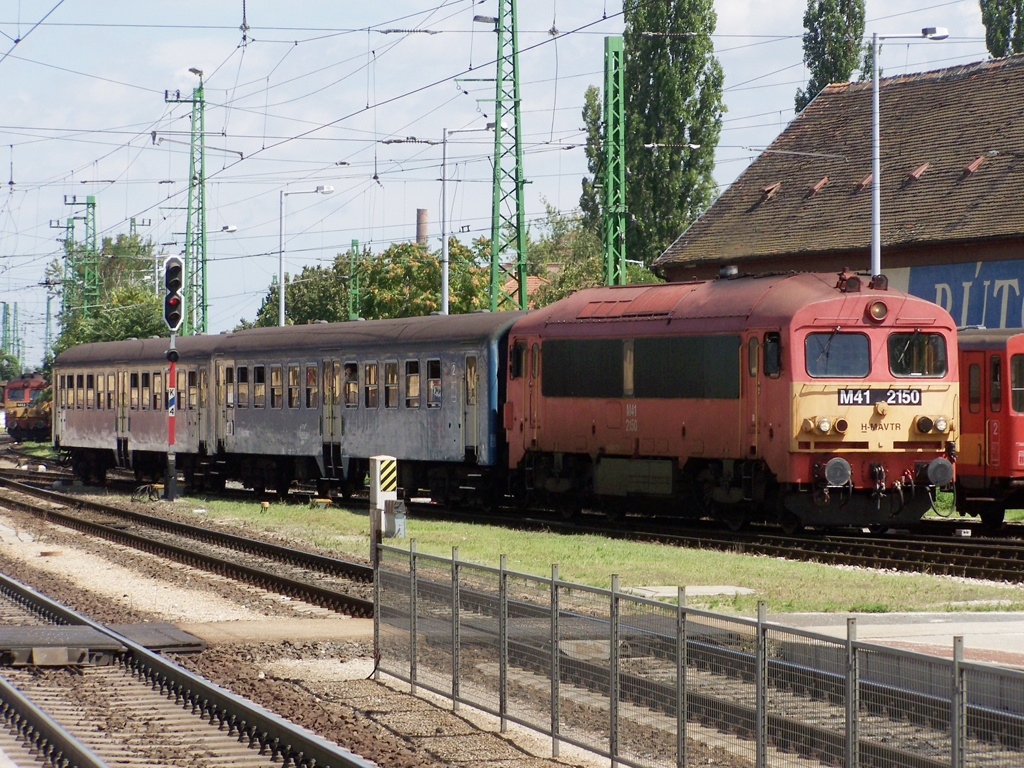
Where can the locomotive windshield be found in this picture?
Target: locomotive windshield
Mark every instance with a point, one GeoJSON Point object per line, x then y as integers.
{"type": "Point", "coordinates": [837, 355]}
{"type": "Point", "coordinates": [917, 354]}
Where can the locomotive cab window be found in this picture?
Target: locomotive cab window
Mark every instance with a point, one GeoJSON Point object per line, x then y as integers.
{"type": "Point", "coordinates": [772, 354]}
{"type": "Point", "coordinates": [370, 387]}
{"type": "Point", "coordinates": [412, 383]}
{"type": "Point", "coordinates": [995, 383]}
{"type": "Point", "coordinates": [917, 354]}
{"type": "Point", "coordinates": [835, 354]}
{"type": "Point", "coordinates": [433, 383]}
{"type": "Point", "coordinates": [351, 385]}
{"type": "Point", "coordinates": [1017, 383]}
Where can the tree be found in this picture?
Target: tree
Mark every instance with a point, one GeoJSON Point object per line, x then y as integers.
{"type": "Point", "coordinates": [1004, 26]}
{"type": "Point", "coordinates": [833, 47]}
{"type": "Point", "coordinates": [590, 200]}
{"type": "Point", "coordinates": [673, 110]}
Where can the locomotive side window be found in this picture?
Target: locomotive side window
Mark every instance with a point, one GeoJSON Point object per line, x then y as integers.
{"type": "Point", "coordinates": [752, 356]}
{"type": "Point", "coordinates": [351, 385]}
{"type": "Point", "coordinates": [276, 384]}
{"type": "Point", "coordinates": [974, 388]}
{"type": "Point", "coordinates": [628, 363]}
{"type": "Point", "coordinates": [293, 386]}
{"type": "Point", "coordinates": [391, 385]}
{"type": "Point", "coordinates": [146, 391]}
{"type": "Point", "coordinates": [688, 366]}
{"type": "Point", "coordinates": [517, 359]}
{"type": "Point", "coordinates": [433, 383]}
{"type": "Point", "coordinates": [90, 390]}
{"type": "Point", "coordinates": [412, 383]}
{"type": "Point", "coordinates": [772, 354]}
{"type": "Point", "coordinates": [312, 391]}
{"type": "Point", "coordinates": [242, 374]}
{"type": "Point", "coordinates": [1017, 383]}
{"type": "Point", "coordinates": [917, 354]}
{"type": "Point", "coordinates": [995, 383]}
{"type": "Point", "coordinates": [370, 393]}
{"type": "Point", "coordinates": [110, 391]}
{"type": "Point", "coordinates": [584, 368]}
{"type": "Point", "coordinates": [259, 386]}
{"type": "Point", "coordinates": [133, 390]}
{"type": "Point", "coordinates": [835, 354]}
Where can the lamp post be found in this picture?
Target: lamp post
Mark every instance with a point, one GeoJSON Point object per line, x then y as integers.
{"type": "Point", "coordinates": [320, 190]}
{"type": "Point", "coordinates": [928, 33]}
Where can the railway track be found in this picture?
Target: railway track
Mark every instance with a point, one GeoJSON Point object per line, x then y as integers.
{"type": "Point", "coordinates": [327, 582]}
{"type": "Point", "coordinates": [129, 704]}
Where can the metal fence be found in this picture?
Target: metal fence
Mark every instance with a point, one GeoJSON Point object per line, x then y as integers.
{"type": "Point", "coordinates": [655, 683]}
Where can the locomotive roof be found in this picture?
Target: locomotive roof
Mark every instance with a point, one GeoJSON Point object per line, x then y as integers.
{"type": "Point", "coordinates": [711, 305]}
{"type": "Point", "coordinates": [300, 339]}
{"type": "Point", "coordinates": [987, 338]}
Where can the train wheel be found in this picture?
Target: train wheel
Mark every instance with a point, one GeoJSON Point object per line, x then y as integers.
{"type": "Point", "coordinates": [734, 517]}
{"type": "Point", "coordinates": [992, 516]}
{"type": "Point", "coordinates": [791, 524]}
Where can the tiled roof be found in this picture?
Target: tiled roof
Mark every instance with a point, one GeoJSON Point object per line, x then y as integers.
{"type": "Point", "coordinates": [952, 167]}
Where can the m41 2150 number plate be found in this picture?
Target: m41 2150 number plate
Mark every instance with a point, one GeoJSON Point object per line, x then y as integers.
{"type": "Point", "coordinates": [868, 396]}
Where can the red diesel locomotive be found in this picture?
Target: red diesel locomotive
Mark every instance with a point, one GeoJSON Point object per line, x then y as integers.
{"type": "Point", "coordinates": [801, 398]}
{"type": "Point", "coordinates": [990, 471]}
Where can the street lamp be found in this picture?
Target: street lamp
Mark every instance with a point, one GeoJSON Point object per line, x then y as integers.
{"type": "Point", "coordinates": [928, 33]}
{"type": "Point", "coordinates": [320, 190]}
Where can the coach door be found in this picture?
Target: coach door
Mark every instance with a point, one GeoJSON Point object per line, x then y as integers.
{"type": "Point", "coordinates": [470, 415]}
{"type": "Point", "coordinates": [976, 423]}
{"type": "Point", "coordinates": [331, 423]}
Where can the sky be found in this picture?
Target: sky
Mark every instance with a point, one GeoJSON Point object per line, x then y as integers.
{"type": "Point", "coordinates": [306, 94]}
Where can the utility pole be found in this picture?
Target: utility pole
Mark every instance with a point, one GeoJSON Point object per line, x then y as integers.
{"type": "Point", "coordinates": [508, 216]}
{"type": "Point", "coordinates": [353, 282]}
{"type": "Point", "coordinates": [195, 228]}
{"type": "Point", "coordinates": [81, 285]}
{"type": "Point", "coordinates": [613, 214]}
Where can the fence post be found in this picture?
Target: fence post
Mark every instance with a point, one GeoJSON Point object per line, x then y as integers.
{"type": "Point", "coordinates": [958, 714]}
{"type": "Point", "coordinates": [681, 662]}
{"type": "Point", "coordinates": [761, 686]}
{"type": "Point", "coordinates": [556, 663]}
{"type": "Point", "coordinates": [456, 627]}
{"type": "Point", "coordinates": [412, 615]}
{"type": "Point", "coordinates": [852, 696]}
{"type": "Point", "coordinates": [613, 673]}
{"type": "Point", "coordinates": [376, 616]}
{"type": "Point", "coordinates": [503, 644]}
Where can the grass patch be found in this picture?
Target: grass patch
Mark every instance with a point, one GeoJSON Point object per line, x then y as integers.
{"type": "Point", "coordinates": [592, 560]}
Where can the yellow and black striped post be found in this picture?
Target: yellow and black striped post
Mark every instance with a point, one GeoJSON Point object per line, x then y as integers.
{"type": "Point", "coordinates": [383, 488]}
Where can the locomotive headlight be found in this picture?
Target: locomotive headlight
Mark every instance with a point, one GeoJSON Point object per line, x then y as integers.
{"type": "Point", "coordinates": [877, 311]}
{"type": "Point", "coordinates": [824, 425]}
{"type": "Point", "coordinates": [941, 424]}
{"type": "Point", "coordinates": [924, 425]}
{"type": "Point", "coordinates": [841, 426]}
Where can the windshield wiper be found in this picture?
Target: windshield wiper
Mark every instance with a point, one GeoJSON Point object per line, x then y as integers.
{"type": "Point", "coordinates": [828, 343]}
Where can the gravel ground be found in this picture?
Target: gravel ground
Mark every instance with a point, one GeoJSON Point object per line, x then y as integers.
{"type": "Point", "coordinates": [324, 686]}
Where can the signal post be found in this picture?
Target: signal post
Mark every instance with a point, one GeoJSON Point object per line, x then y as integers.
{"type": "Point", "coordinates": [174, 279]}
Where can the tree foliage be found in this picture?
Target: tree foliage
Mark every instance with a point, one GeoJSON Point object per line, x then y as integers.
{"type": "Point", "coordinates": [833, 47]}
{"type": "Point", "coordinates": [590, 199]}
{"type": "Point", "coordinates": [673, 99]}
{"type": "Point", "coordinates": [1004, 26]}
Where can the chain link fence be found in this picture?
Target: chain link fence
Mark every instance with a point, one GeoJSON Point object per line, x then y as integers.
{"type": "Point", "coordinates": [652, 683]}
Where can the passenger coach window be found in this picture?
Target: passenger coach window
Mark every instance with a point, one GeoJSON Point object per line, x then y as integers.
{"type": "Point", "coordinates": [110, 391]}
{"type": "Point", "coordinates": [995, 383]}
{"type": "Point", "coordinates": [835, 354]}
{"type": "Point", "coordinates": [146, 391]}
{"type": "Point", "coordinates": [433, 383]}
{"type": "Point", "coordinates": [229, 386]}
{"type": "Point", "coordinates": [276, 391]}
{"type": "Point", "coordinates": [182, 390]}
{"type": "Point", "coordinates": [917, 354]}
{"type": "Point", "coordinates": [80, 391]}
{"type": "Point", "coordinates": [158, 391]}
{"type": "Point", "coordinates": [259, 386]}
{"type": "Point", "coordinates": [974, 388]}
{"type": "Point", "coordinates": [351, 385]}
{"type": "Point", "coordinates": [471, 380]}
{"type": "Point", "coordinates": [134, 390]}
{"type": "Point", "coordinates": [312, 392]}
{"type": "Point", "coordinates": [370, 393]}
{"type": "Point", "coordinates": [196, 394]}
{"type": "Point", "coordinates": [1017, 383]}
{"type": "Point", "coordinates": [100, 396]}
{"type": "Point", "coordinates": [293, 386]}
{"type": "Point", "coordinates": [412, 383]}
{"type": "Point", "coordinates": [390, 385]}
{"type": "Point", "coordinates": [90, 390]}
{"type": "Point", "coordinates": [242, 374]}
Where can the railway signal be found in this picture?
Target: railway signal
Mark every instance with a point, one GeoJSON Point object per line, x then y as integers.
{"type": "Point", "coordinates": [174, 279]}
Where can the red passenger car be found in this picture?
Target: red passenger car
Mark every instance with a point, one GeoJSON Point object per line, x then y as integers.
{"type": "Point", "coordinates": [991, 466]}
{"type": "Point", "coordinates": [803, 398]}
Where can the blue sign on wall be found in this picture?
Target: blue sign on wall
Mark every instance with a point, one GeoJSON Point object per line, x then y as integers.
{"type": "Point", "coordinates": [977, 293]}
